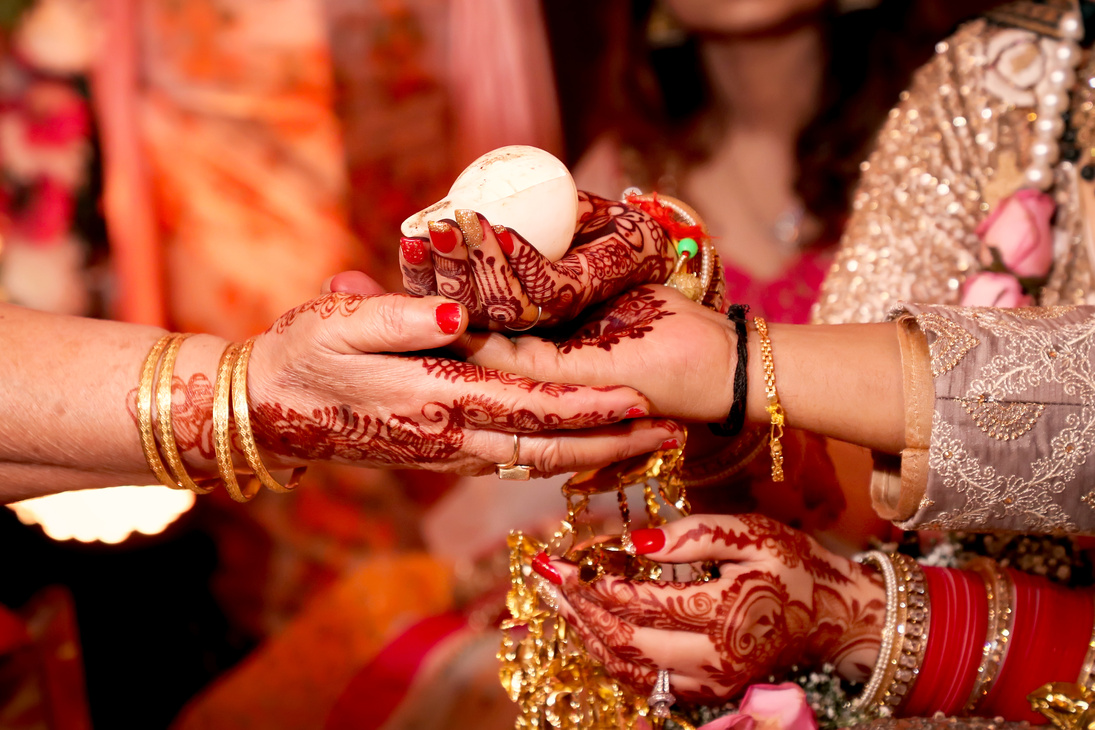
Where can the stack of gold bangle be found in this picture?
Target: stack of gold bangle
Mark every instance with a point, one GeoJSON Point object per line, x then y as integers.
{"type": "Point", "coordinates": [904, 633]}
{"type": "Point", "coordinates": [998, 590]}
{"type": "Point", "coordinates": [229, 400]}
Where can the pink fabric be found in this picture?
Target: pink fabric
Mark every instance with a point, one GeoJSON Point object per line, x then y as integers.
{"type": "Point", "coordinates": [788, 298]}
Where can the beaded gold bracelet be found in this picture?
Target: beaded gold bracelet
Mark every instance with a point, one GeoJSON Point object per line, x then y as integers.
{"type": "Point", "coordinates": [867, 697]}
{"type": "Point", "coordinates": [774, 408]}
{"type": "Point", "coordinates": [914, 615]}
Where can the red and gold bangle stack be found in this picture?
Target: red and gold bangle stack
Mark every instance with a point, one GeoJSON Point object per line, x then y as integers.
{"type": "Point", "coordinates": [959, 607]}
{"type": "Point", "coordinates": [1050, 643]}
{"type": "Point", "coordinates": [230, 386]}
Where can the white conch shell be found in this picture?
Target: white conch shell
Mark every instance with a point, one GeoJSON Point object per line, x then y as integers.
{"type": "Point", "coordinates": [520, 187]}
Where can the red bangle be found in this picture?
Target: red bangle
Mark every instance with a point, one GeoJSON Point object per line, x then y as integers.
{"type": "Point", "coordinates": [1049, 642]}
{"type": "Point", "coordinates": [958, 623]}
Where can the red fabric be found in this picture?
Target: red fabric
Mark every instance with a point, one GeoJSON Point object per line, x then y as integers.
{"type": "Point", "coordinates": [788, 298]}
{"type": "Point", "coordinates": [1052, 628]}
{"type": "Point", "coordinates": [378, 689]}
{"type": "Point", "coordinates": [959, 621]}
{"type": "Point", "coordinates": [13, 632]}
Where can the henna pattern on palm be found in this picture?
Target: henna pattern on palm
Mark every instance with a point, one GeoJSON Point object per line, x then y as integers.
{"type": "Point", "coordinates": [326, 306]}
{"type": "Point", "coordinates": [629, 317]}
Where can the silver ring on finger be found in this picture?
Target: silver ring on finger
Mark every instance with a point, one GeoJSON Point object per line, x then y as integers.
{"type": "Point", "coordinates": [661, 699]}
{"type": "Point", "coordinates": [512, 470]}
{"type": "Point", "coordinates": [539, 314]}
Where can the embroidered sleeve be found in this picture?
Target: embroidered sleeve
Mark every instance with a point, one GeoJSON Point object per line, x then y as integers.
{"type": "Point", "coordinates": [1012, 424]}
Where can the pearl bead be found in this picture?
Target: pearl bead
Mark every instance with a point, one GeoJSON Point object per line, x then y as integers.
{"type": "Point", "coordinates": [1038, 176]}
{"type": "Point", "coordinates": [1044, 153]}
{"type": "Point", "coordinates": [1049, 126]}
{"type": "Point", "coordinates": [1062, 78]}
{"type": "Point", "coordinates": [1071, 26]}
{"type": "Point", "coordinates": [1068, 54]}
{"type": "Point", "coordinates": [1053, 102]}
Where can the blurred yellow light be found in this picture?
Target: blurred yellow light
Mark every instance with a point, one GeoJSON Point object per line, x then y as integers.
{"type": "Point", "coordinates": [105, 515]}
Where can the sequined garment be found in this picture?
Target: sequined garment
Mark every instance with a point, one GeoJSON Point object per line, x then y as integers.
{"type": "Point", "coordinates": [956, 145]}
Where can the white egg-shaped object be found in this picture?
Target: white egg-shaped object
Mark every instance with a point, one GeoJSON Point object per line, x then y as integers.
{"type": "Point", "coordinates": [520, 187]}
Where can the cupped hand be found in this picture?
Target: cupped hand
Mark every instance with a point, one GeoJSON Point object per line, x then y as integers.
{"type": "Point", "coordinates": [505, 283]}
{"type": "Point", "coordinates": [780, 600]}
{"type": "Point", "coordinates": [353, 378]}
{"type": "Point", "coordinates": [677, 353]}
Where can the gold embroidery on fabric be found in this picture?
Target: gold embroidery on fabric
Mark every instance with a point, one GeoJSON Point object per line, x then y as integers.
{"type": "Point", "coordinates": [1089, 499]}
{"type": "Point", "coordinates": [1041, 312]}
{"type": "Point", "coordinates": [925, 503]}
{"type": "Point", "coordinates": [1002, 421]}
{"type": "Point", "coordinates": [951, 342]}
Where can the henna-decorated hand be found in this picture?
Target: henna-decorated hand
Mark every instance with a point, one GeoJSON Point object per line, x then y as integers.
{"type": "Point", "coordinates": [677, 353]}
{"type": "Point", "coordinates": [350, 378]}
{"type": "Point", "coordinates": [501, 279]}
{"type": "Point", "coordinates": [780, 600]}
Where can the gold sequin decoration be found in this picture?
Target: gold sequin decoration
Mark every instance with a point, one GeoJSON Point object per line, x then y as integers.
{"type": "Point", "coordinates": [951, 342]}
{"type": "Point", "coordinates": [1002, 421]}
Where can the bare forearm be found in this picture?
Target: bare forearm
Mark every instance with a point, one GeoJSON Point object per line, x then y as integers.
{"type": "Point", "coordinates": [67, 400]}
{"type": "Point", "coordinates": [841, 381]}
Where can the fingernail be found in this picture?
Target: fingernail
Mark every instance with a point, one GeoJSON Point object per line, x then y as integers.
{"type": "Point", "coordinates": [414, 250]}
{"type": "Point", "coordinates": [635, 412]}
{"type": "Point", "coordinates": [543, 566]}
{"type": "Point", "coordinates": [471, 227]}
{"type": "Point", "coordinates": [448, 317]}
{"type": "Point", "coordinates": [442, 236]}
{"type": "Point", "coordinates": [647, 541]}
{"type": "Point", "coordinates": [505, 239]}
{"type": "Point", "coordinates": [670, 444]}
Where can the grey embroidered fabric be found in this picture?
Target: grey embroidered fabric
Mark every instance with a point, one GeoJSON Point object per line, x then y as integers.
{"type": "Point", "coordinates": [1013, 427]}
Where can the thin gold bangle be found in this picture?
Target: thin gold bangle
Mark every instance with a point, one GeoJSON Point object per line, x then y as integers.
{"type": "Point", "coordinates": [774, 408]}
{"type": "Point", "coordinates": [144, 412]}
{"type": "Point", "coordinates": [168, 446]}
{"type": "Point", "coordinates": [242, 412]}
{"type": "Point", "coordinates": [222, 437]}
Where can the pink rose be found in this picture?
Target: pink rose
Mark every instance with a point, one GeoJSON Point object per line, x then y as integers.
{"type": "Point", "coordinates": [769, 707]}
{"type": "Point", "coordinates": [1020, 231]}
{"type": "Point", "coordinates": [989, 289]}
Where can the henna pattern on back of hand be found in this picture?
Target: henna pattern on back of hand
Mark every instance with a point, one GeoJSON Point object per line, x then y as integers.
{"type": "Point", "coordinates": [327, 306]}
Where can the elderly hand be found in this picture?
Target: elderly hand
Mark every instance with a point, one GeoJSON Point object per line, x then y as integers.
{"type": "Point", "coordinates": [780, 599]}
{"type": "Point", "coordinates": [505, 283]}
{"type": "Point", "coordinates": [353, 378]}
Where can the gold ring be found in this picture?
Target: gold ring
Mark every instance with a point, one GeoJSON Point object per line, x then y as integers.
{"type": "Point", "coordinates": [511, 469]}
{"type": "Point", "coordinates": [539, 314]}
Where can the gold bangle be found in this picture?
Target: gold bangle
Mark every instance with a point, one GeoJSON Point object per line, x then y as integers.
{"type": "Point", "coordinates": [998, 590]}
{"type": "Point", "coordinates": [168, 446]}
{"type": "Point", "coordinates": [242, 412]}
{"type": "Point", "coordinates": [222, 437]}
{"type": "Point", "coordinates": [774, 408]}
{"type": "Point", "coordinates": [144, 412]}
{"type": "Point", "coordinates": [912, 630]}
{"type": "Point", "coordinates": [867, 700]}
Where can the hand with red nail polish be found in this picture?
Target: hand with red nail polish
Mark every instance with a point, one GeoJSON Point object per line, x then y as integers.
{"type": "Point", "coordinates": [780, 599]}
{"type": "Point", "coordinates": [506, 284]}
{"type": "Point", "coordinates": [379, 394]}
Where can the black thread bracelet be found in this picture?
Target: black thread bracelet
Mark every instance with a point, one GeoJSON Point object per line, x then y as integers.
{"type": "Point", "coordinates": [735, 420]}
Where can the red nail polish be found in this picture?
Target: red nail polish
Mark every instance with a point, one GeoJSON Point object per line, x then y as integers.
{"type": "Point", "coordinates": [443, 237]}
{"type": "Point", "coordinates": [634, 412]}
{"type": "Point", "coordinates": [448, 317]}
{"type": "Point", "coordinates": [671, 444]}
{"type": "Point", "coordinates": [414, 250]}
{"type": "Point", "coordinates": [505, 239]}
{"type": "Point", "coordinates": [648, 541]}
{"type": "Point", "coordinates": [543, 566]}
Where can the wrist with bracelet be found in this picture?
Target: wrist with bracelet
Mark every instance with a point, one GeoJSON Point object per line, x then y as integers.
{"type": "Point", "coordinates": [230, 408]}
